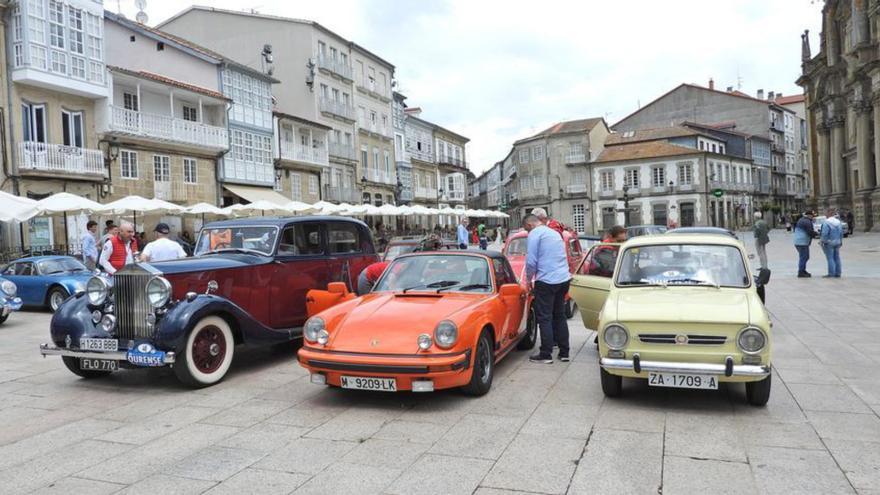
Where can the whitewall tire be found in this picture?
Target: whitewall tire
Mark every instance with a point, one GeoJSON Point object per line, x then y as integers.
{"type": "Point", "coordinates": [207, 353]}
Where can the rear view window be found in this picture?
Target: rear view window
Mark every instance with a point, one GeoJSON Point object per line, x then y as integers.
{"type": "Point", "coordinates": [343, 238]}
{"type": "Point", "coordinates": [302, 239]}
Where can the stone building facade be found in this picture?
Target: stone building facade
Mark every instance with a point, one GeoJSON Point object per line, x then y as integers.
{"type": "Point", "coordinates": [842, 86]}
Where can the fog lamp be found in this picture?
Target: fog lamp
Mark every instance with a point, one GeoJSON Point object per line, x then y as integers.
{"type": "Point", "coordinates": [108, 323]}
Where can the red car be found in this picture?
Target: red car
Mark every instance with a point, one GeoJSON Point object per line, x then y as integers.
{"type": "Point", "coordinates": [515, 248]}
{"type": "Point", "coordinates": [246, 284]}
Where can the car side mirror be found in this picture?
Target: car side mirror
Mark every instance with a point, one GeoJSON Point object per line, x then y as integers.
{"type": "Point", "coordinates": [510, 290]}
{"type": "Point", "coordinates": [763, 276]}
{"type": "Point", "coordinates": [337, 288]}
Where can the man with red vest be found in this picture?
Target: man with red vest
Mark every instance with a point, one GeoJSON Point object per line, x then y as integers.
{"type": "Point", "coordinates": [119, 250]}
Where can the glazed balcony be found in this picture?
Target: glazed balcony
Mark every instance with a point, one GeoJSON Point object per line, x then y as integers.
{"type": "Point", "coordinates": [52, 159]}
{"type": "Point", "coordinates": [336, 109]}
{"type": "Point", "coordinates": [306, 155]}
{"type": "Point", "coordinates": [337, 194]}
{"type": "Point", "coordinates": [575, 157]}
{"type": "Point", "coordinates": [426, 193]}
{"type": "Point", "coordinates": [334, 67]}
{"type": "Point", "coordinates": [178, 191]}
{"type": "Point", "coordinates": [340, 150]}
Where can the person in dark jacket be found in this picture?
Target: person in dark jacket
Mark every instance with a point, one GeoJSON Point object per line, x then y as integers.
{"type": "Point", "coordinates": [804, 233]}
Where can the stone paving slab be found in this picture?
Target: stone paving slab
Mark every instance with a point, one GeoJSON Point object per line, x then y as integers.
{"type": "Point", "coordinates": [542, 428]}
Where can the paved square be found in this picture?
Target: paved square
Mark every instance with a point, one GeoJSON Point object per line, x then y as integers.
{"type": "Point", "coordinates": [542, 428]}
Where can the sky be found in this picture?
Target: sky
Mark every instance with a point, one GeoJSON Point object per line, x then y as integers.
{"type": "Point", "coordinates": [497, 71]}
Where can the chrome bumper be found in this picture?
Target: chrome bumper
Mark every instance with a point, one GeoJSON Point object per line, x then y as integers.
{"type": "Point", "coordinates": [685, 368]}
{"type": "Point", "coordinates": [47, 350]}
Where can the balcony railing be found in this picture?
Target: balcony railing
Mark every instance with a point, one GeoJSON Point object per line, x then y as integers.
{"type": "Point", "coordinates": [167, 128]}
{"type": "Point", "coordinates": [335, 66]}
{"type": "Point", "coordinates": [420, 155]}
{"type": "Point", "coordinates": [177, 191]}
{"type": "Point", "coordinates": [454, 195]}
{"type": "Point", "coordinates": [381, 176]}
{"type": "Point", "coordinates": [448, 160]}
{"type": "Point", "coordinates": [576, 188]}
{"type": "Point", "coordinates": [372, 89]}
{"type": "Point", "coordinates": [374, 128]}
{"type": "Point", "coordinates": [406, 194]}
{"type": "Point", "coordinates": [607, 193]}
{"type": "Point", "coordinates": [341, 150]}
{"type": "Point", "coordinates": [336, 108]}
{"type": "Point", "coordinates": [340, 194]}
{"type": "Point", "coordinates": [305, 154]}
{"type": "Point", "coordinates": [426, 192]}
{"type": "Point", "coordinates": [575, 157]}
{"type": "Point", "coordinates": [57, 158]}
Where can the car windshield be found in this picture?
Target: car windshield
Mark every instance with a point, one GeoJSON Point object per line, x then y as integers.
{"type": "Point", "coordinates": [396, 250]}
{"type": "Point", "coordinates": [259, 239]}
{"type": "Point", "coordinates": [436, 272]}
{"type": "Point", "coordinates": [49, 267]}
{"type": "Point", "coordinates": [683, 264]}
{"type": "Point", "coordinates": [518, 246]}
{"type": "Point", "coordinates": [586, 244]}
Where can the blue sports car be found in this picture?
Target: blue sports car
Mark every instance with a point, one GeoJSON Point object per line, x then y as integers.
{"type": "Point", "coordinates": [47, 281]}
{"type": "Point", "coordinates": [8, 300]}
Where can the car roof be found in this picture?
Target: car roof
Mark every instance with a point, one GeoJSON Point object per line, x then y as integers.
{"type": "Point", "coordinates": [645, 226]}
{"type": "Point", "coordinates": [590, 237]}
{"type": "Point", "coordinates": [700, 230]}
{"type": "Point", "coordinates": [42, 258]}
{"type": "Point", "coordinates": [280, 221]}
{"type": "Point", "coordinates": [659, 240]}
{"type": "Point", "coordinates": [460, 252]}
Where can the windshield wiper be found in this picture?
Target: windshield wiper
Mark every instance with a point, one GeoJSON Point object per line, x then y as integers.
{"type": "Point", "coordinates": [644, 281]}
{"type": "Point", "coordinates": [466, 287]}
{"type": "Point", "coordinates": [694, 281]}
{"type": "Point", "coordinates": [432, 285]}
{"type": "Point", "coordinates": [236, 250]}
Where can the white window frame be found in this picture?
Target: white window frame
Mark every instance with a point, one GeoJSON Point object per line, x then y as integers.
{"type": "Point", "coordinates": [631, 178]}
{"type": "Point", "coordinates": [74, 136]}
{"type": "Point", "coordinates": [190, 171]}
{"type": "Point", "coordinates": [128, 160]}
{"type": "Point", "coordinates": [524, 155]}
{"type": "Point", "coordinates": [161, 168]}
{"type": "Point", "coordinates": [296, 186]}
{"type": "Point", "coordinates": [29, 122]}
{"type": "Point", "coordinates": [578, 217]}
{"type": "Point", "coordinates": [606, 180]}
{"type": "Point", "coordinates": [313, 183]}
{"type": "Point", "coordinates": [658, 172]}
{"type": "Point", "coordinates": [685, 174]}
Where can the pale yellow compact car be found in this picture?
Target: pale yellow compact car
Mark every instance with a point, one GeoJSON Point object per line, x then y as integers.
{"type": "Point", "coordinates": [679, 311]}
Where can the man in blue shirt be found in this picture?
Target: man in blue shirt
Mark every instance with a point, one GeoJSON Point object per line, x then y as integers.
{"type": "Point", "coordinates": [548, 277]}
{"type": "Point", "coordinates": [462, 234]}
{"type": "Point", "coordinates": [831, 238]}
{"type": "Point", "coordinates": [90, 246]}
{"type": "Point", "coordinates": [803, 236]}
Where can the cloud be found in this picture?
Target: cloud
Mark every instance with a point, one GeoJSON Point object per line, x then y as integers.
{"type": "Point", "coordinates": [497, 71]}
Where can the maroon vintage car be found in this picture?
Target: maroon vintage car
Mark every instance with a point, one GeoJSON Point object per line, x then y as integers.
{"type": "Point", "coordinates": [246, 284]}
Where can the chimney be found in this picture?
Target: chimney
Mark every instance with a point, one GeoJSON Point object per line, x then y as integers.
{"type": "Point", "coordinates": [711, 83]}
{"type": "Point", "coordinates": [760, 94]}
{"type": "Point", "coordinates": [778, 96]}
{"type": "Point", "coordinates": [770, 96]}
{"type": "Point", "coordinates": [730, 89]}
{"type": "Point", "coordinates": [414, 111]}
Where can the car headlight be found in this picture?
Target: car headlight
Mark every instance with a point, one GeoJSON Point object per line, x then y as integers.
{"type": "Point", "coordinates": [158, 291]}
{"type": "Point", "coordinates": [323, 337]}
{"type": "Point", "coordinates": [108, 323]}
{"type": "Point", "coordinates": [615, 337]}
{"type": "Point", "coordinates": [314, 326]}
{"type": "Point", "coordinates": [97, 290]}
{"type": "Point", "coordinates": [446, 334]}
{"type": "Point", "coordinates": [424, 341]}
{"type": "Point", "coordinates": [751, 340]}
{"type": "Point", "coordinates": [8, 287]}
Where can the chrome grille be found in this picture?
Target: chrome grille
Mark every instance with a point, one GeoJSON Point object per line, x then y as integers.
{"type": "Point", "coordinates": [692, 339]}
{"type": "Point", "coordinates": [130, 295]}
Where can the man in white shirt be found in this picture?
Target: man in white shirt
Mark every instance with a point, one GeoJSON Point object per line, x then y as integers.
{"type": "Point", "coordinates": [163, 248]}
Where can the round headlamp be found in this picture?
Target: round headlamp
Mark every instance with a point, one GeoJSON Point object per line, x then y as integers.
{"type": "Point", "coordinates": [108, 323]}
{"type": "Point", "coordinates": [158, 291]}
{"type": "Point", "coordinates": [615, 337]}
{"type": "Point", "coordinates": [313, 327]}
{"type": "Point", "coordinates": [97, 290]}
{"type": "Point", "coordinates": [424, 341]}
{"type": "Point", "coordinates": [446, 334]}
{"type": "Point", "coordinates": [8, 287]}
{"type": "Point", "coordinates": [751, 340]}
{"type": "Point", "coordinates": [323, 337]}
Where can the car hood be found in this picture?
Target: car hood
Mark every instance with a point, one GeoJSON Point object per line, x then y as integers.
{"type": "Point", "coordinates": [209, 263]}
{"type": "Point", "coordinates": [388, 323]}
{"type": "Point", "coordinates": [683, 304]}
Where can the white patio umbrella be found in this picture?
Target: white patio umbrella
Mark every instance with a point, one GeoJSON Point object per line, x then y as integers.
{"type": "Point", "coordinates": [371, 210]}
{"type": "Point", "coordinates": [326, 208]}
{"type": "Point", "coordinates": [205, 209]}
{"type": "Point", "coordinates": [389, 209]}
{"type": "Point", "coordinates": [262, 206]}
{"type": "Point", "coordinates": [136, 204]}
{"type": "Point", "coordinates": [300, 207]}
{"type": "Point", "coordinates": [16, 208]}
{"type": "Point", "coordinates": [65, 203]}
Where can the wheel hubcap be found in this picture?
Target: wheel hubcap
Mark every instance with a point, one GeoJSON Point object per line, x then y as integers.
{"type": "Point", "coordinates": [208, 349]}
{"type": "Point", "coordinates": [56, 300]}
{"type": "Point", "coordinates": [485, 363]}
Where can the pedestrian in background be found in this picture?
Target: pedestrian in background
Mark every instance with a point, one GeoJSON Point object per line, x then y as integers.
{"type": "Point", "coordinates": [462, 234]}
{"type": "Point", "coordinates": [831, 238]}
{"type": "Point", "coordinates": [110, 229]}
{"type": "Point", "coordinates": [481, 233]}
{"type": "Point", "coordinates": [762, 237]}
{"type": "Point", "coordinates": [615, 234]}
{"type": "Point", "coordinates": [803, 237]}
{"type": "Point", "coordinates": [90, 246]}
{"type": "Point", "coordinates": [548, 278]}
{"type": "Point", "coordinates": [120, 249]}
{"type": "Point", "coordinates": [163, 248]}
{"type": "Point", "coordinates": [850, 222]}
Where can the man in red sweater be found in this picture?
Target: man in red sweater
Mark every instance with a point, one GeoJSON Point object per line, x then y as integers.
{"type": "Point", "coordinates": [368, 278]}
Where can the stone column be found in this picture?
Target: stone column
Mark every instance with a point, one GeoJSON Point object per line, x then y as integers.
{"type": "Point", "coordinates": [864, 147]}
{"type": "Point", "coordinates": [829, 32]}
{"type": "Point", "coordinates": [838, 146]}
{"type": "Point", "coordinates": [824, 163]}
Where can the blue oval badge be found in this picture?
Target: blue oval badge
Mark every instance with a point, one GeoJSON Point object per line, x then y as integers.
{"type": "Point", "coordinates": [145, 354]}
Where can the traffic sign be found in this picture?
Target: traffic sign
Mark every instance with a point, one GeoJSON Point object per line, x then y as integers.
{"type": "Point", "coordinates": [717, 192]}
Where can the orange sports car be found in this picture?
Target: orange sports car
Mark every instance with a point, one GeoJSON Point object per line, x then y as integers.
{"type": "Point", "coordinates": [434, 320]}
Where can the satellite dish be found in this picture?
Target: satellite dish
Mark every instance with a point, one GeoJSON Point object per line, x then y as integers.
{"type": "Point", "coordinates": [140, 4]}
{"type": "Point", "coordinates": [141, 17]}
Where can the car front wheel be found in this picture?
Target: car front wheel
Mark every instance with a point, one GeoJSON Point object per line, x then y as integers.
{"type": "Point", "coordinates": [3, 318]}
{"type": "Point", "coordinates": [57, 296]}
{"type": "Point", "coordinates": [758, 393]}
{"type": "Point", "coordinates": [483, 369]}
{"type": "Point", "coordinates": [570, 308]}
{"type": "Point", "coordinates": [207, 354]}
{"type": "Point", "coordinates": [612, 385]}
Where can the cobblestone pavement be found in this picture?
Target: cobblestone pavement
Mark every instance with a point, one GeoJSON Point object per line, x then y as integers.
{"type": "Point", "coordinates": [542, 428]}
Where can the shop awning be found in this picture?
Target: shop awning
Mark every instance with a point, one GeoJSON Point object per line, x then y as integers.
{"type": "Point", "coordinates": [253, 194]}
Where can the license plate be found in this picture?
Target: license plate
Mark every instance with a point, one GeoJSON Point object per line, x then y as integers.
{"type": "Point", "coordinates": [98, 364]}
{"type": "Point", "coordinates": [99, 344]}
{"type": "Point", "coordinates": [363, 383]}
{"type": "Point", "coordinates": [676, 380]}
